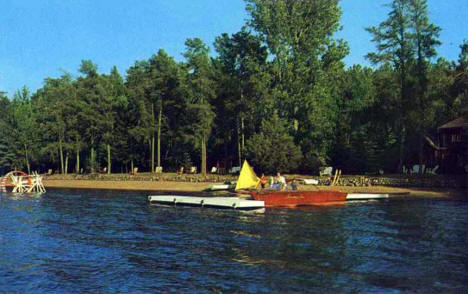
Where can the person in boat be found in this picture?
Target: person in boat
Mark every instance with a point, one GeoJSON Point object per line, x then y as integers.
{"type": "Point", "coordinates": [271, 182]}
{"type": "Point", "coordinates": [293, 185]}
{"type": "Point", "coordinates": [280, 181]}
{"type": "Point", "coordinates": [263, 181]}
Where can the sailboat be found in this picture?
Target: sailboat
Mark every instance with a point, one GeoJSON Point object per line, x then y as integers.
{"type": "Point", "coordinates": [249, 181]}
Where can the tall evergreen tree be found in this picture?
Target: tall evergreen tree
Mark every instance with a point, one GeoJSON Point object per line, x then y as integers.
{"type": "Point", "coordinates": [425, 37]}
{"type": "Point", "coordinates": [202, 91]}
{"type": "Point", "coordinates": [394, 45]}
{"type": "Point", "coordinates": [91, 90]}
{"type": "Point", "coordinates": [22, 129]}
{"type": "Point", "coordinates": [242, 58]}
{"type": "Point", "coordinates": [306, 60]}
{"type": "Point", "coordinates": [114, 100]}
{"type": "Point", "coordinates": [163, 90]}
{"type": "Point", "coordinates": [141, 129]}
{"type": "Point", "coordinates": [52, 101]}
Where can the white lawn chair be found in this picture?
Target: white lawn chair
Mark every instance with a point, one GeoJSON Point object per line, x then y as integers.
{"type": "Point", "coordinates": [310, 181]}
{"type": "Point", "coordinates": [327, 171]}
{"type": "Point", "coordinates": [432, 171]}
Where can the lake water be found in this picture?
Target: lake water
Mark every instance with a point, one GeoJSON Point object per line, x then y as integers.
{"type": "Point", "coordinates": [80, 241]}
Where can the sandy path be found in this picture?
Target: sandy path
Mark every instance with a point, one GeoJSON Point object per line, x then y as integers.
{"type": "Point", "coordinates": [128, 185]}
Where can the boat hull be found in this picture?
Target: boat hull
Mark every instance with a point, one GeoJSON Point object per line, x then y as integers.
{"type": "Point", "coordinates": [298, 198]}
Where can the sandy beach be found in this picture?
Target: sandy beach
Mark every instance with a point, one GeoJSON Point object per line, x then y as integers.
{"type": "Point", "coordinates": [197, 187]}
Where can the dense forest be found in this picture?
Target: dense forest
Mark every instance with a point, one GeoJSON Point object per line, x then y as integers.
{"type": "Point", "coordinates": [276, 93]}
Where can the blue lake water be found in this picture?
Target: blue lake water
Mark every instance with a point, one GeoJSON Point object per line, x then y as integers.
{"type": "Point", "coordinates": [91, 241]}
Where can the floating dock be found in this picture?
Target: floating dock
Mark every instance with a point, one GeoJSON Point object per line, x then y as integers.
{"type": "Point", "coordinates": [209, 202]}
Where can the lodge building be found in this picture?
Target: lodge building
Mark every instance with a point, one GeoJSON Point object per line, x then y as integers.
{"type": "Point", "coordinates": [452, 139]}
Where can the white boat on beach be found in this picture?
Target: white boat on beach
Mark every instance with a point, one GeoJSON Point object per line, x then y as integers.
{"type": "Point", "coordinates": [222, 187]}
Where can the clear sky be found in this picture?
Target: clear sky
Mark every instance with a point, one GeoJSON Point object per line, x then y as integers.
{"type": "Point", "coordinates": [43, 38]}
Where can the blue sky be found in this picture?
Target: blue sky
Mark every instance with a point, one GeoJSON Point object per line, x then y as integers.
{"type": "Point", "coordinates": [43, 38]}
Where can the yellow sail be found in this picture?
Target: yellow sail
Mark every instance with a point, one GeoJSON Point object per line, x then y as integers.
{"type": "Point", "coordinates": [247, 177]}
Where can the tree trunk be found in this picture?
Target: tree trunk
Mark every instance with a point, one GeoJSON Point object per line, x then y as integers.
{"type": "Point", "coordinates": [66, 164]}
{"type": "Point", "coordinates": [109, 163]}
{"type": "Point", "coordinates": [93, 156]}
{"type": "Point", "coordinates": [402, 105]}
{"type": "Point", "coordinates": [27, 159]}
{"type": "Point", "coordinates": [152, 153]}
{"type": "Point", "coordinates": [152, 137]}
{"type": "Point", "coordinates": [159, 133]}
{"type": "Point", "coordinates": [402, 148]}
{"type": "Point", "coordinates": [239, 148]}
{"type": "Point", "coordinates": [77, 166]}
{"type": "Point", "coordinates": [242, 139]}
{"type": "Point", "coordinates": [62, 170]}
{"type": "Point", "coordinates": [203, 153]}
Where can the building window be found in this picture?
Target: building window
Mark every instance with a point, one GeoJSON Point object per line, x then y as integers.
{"type": "Point", "coordinates": [456, 138]}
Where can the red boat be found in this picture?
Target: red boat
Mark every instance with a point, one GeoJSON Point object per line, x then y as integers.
{"type": "Point", "coordinates": [291, 198]}
{"type": "Point", "coordinates": [298, 198]}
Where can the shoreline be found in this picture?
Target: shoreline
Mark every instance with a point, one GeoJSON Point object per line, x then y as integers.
{"type": "Point", "coordinates": [199, 187]}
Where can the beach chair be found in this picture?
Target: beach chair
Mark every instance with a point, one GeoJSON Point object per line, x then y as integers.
{"type": "Point", "coordinates": [432, 171]}
{"type": "Point", "coordinates": [310, 181]}
{"type": "Point", "coordinates": [326, 171]}
{"type": "Point", "coordinates": [235, 170]}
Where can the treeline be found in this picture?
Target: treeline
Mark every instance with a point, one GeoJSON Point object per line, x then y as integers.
{"type": "Point", "coordinates": [277, 93]}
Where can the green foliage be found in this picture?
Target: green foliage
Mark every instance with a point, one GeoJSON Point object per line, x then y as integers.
{"type": "Point", "coordinates": [306, 62]}
{"type": "Point", "coordinates": [21, 130]}
{"type": "Point", "coordinates": [201, 93]}
{"type": "Point", "coordinates": [273, 149]}
{"type": "Point", "coordinates": [241, 99]}
{"type": "Point", "coordinates": [463, 57]}
{"type": "Point", "coordinates": [407, 40]}
{"type": "Point", "coordinates": [277, 92]}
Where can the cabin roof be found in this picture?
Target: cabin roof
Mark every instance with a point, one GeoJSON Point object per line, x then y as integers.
{"type": "Point", "coordinates": [460, 122]}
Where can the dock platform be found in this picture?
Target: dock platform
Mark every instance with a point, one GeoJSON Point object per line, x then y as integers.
{"type": "Point", "coordinates": [208, 202]}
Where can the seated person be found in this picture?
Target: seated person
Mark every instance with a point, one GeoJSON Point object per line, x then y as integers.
{"type": "Point", "coordinates": [293, 185]}
{"type": "Point", "coordinates": [263, 181]}
{"type": "Point", "coordinates": [281, 181]}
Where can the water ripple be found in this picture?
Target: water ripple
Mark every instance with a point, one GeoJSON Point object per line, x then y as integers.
{"type": "Point", "coordinates": [71, 241]}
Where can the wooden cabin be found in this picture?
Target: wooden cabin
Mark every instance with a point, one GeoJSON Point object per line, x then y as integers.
{"type": "Point", "coordinates": [452, 139]}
